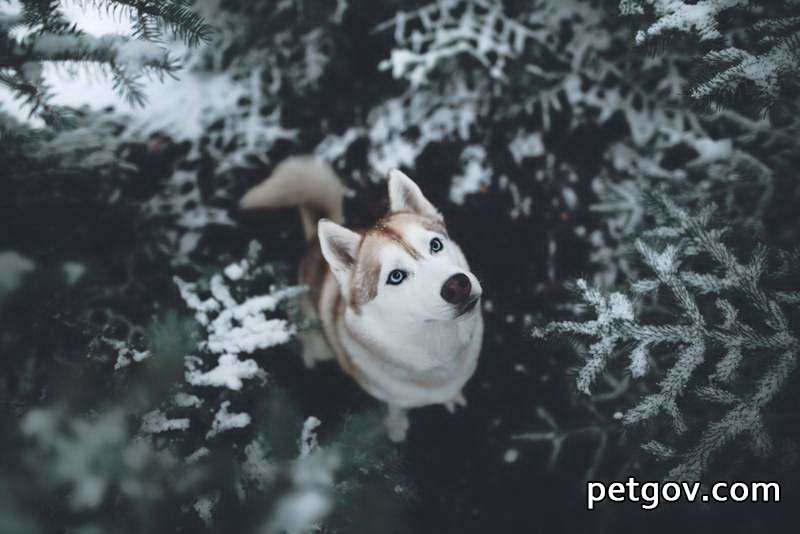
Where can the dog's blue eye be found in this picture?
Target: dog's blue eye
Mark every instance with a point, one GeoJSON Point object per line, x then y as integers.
{"type": "Point", "coordinates": [396, 277]}
{"type": "Point", "coordinates": [436, 245]}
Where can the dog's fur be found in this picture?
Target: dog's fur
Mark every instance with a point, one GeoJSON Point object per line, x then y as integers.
{"type": "Point", "coordinates": [404, 344]}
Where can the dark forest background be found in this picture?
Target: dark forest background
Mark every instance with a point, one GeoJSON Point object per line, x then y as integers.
{"type": "Point", "coordinates": [621, 175]}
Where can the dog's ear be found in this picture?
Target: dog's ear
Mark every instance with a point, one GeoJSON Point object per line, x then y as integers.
{"type": "Point", "coordinates": [339, 247]}
{"type": "Point", "coordinates": [405, 195]}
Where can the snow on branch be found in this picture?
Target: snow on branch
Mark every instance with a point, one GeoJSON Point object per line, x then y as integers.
{"type": "Point", "coordinates": [677, 15]}
{"type": "Point", "coordinates": [48, 37]}
{"type": "Point", "coordinates": [692, 335]}
{"type": "Point", "coordinates": [449, 29]}
{"type": "Point", "coordinates": [238, 327]}
{"type": "Point", "coordinates": [765, 54]}
{"type": "Point", "coordinates": [233, 324]}
{"type": "Point", "coordinates": [233, 327]}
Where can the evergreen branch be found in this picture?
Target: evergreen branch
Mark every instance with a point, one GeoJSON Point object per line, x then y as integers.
{"type": "Point", "coordinates": [126, 59]}
{"type": "Point", "coordinates": [55, 39]}
{"type": "Point", "coordinates": [758, 69]}
{"type": "Point", "coordinates": [153, 17]}
{"type": "Point", "coordinates": [746, 417]}
{"type": "Point", "coordinates": [695, 336]}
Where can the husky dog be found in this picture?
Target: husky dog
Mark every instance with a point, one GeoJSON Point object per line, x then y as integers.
{"type": "Point", "coordinates": [398, 304]}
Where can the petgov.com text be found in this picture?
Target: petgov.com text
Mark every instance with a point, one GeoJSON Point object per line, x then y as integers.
{"type": "Point", "coordinates": [652, 494]}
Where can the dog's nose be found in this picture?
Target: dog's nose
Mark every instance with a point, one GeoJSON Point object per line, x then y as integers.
{"type": "Point", "coordinates": [456, 289]}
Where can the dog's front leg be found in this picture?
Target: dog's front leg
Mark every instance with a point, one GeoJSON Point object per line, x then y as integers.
{"type": "Point", "coordinates": [396, 423]}
{"type": "Point", "coordinates": [458, 400]}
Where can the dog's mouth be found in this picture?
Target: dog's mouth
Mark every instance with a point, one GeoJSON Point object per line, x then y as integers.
{"type": "Point", "coordinates": [468, 306]}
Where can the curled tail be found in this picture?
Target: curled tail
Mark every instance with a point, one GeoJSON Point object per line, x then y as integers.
{"type": "Point", "coordinates": [305, 182]}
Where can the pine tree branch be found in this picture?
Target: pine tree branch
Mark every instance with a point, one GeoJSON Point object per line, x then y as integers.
{"type": "Point", "coordinates": [693, 335]}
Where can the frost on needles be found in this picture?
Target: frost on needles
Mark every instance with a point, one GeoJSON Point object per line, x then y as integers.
{"type": "Point", "coordinates": [38, 33]}
{"type": "Point", "coordinates": [749, 48]}
{"type": "Point", "coordinates": [716, 334]}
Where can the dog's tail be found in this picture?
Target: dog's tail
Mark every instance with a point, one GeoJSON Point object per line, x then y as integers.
{"type": "Point", "coordinates": [304, 182]}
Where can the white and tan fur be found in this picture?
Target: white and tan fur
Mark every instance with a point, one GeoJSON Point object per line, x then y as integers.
{"type": "Point", "coordinates": [404, 344]}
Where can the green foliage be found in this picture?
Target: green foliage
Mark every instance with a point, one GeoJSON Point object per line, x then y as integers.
{"type": "Point", "coordinates": [50, 38]}
{"type": "Point", "coordinates": [751, 47]}
{"type": "Point", "coordinates": [553, 128]}
{"type": "Point", "coordinates": [188, 432]}
{"type": "Point", "coordinates": [722, 347]}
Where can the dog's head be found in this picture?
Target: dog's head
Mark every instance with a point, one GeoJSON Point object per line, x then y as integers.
{"type": "Point", "coordinates": [405, 267]}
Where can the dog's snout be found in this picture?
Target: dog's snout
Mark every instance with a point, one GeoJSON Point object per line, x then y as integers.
{"type": "Point", "coordinates": [456, 289]}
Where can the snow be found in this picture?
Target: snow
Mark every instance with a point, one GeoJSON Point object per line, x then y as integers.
{"type": "Point", "coordinates": [312, 475]}
{"type": "Point", "coordinates": [135, 356]}
{"type": "Point", "coordinates": [204, 506]}
{"type": "Point", "coordinates": [522, 204]}
{"type": "Point", "coordinates": [185, 400]}
{"type": "Point", "coordinates": [299, 511]}
{"type": "Point", "coordinates": [134, 54]}
{"type": "Point", "coordinates": [229, 372]}
{"type": "Point", "coordinates": [614, 307]}
{"type": "Point", "coordinates": [475, 177]}
{"type": "Point", "coordinates": [570, 197]}
{"type": "Point", "coordinates": [663, 263]}
{"type": "Point", "coordinates": [125, 354]}
{"type": "Point", "coordinates": [225, 420]}
{"type": "Point", "coordinates": [256, 467]}
{"type": "Point", "coordinates": [131, 55]}
{"type": "Point", "coordinates": [181, 200]}
{"type": "Point", "coordinates": [235, 271]}
{"type": "Point", "coordinates": [711, 149]}
{"type": "Point", "coordinates": [10, 14]}
{"type": "Point", "coordinates": [94, 21]}
{"type": "Point", "coordinates": [255, 330]}
{"type": "Point", "coordinates": [526, 145]}
{"type": "Point", "coordinates": [73, 454]}
{"type": "Point", "coordinates": [13, 268]}
{"type": "Point", "coordinates": [619, 307]}
{"type": "Point", "coordinates": [221, 292]}
{"type": "Point", "coordinates": [202, 452]}
{"type": "Point", "coordinates": [239, 327]}
{"type": "Point", "coordinates": [68, 90]}
{"type": "Point", "coordinates": [511, 456]}
{"type": "Point", "coordinates": [201, 307]}
{"type": "Point", "coordinates": [73, 271]}
{"type": "Point", "coordinates": [437, 117]}
{"type": "Point", "coordinates": [32, 71]}
{"type": "Point", "coordinates": [155, 422]}
{"type": "Point", "coordinates": [698, 17]}
{"type": "Point", "coordinates": [181, 107]}
{"type": "Point", "coordinates": [639, 362]}
{"type": "Point", "coordinates": [335, 146]}
{"type": "Point", "coordinates": [308, 438]}
{"type": "Point", "coordinates": [47, 44]}
{"type": "Point", "coordinates": [765, 70]}
{"type": "Point", "coordinates": [480, 30]}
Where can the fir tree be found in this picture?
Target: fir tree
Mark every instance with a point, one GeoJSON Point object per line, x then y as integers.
{"type": "Point", "coordinates": [48, 37]}
{"type": "Point", "coordinates": [726, 338]}
{"type": "Point", "coordinates": [751, 48]}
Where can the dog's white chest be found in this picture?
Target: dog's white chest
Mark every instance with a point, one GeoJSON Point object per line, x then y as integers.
{"type": "Point", "coordinates": [410, 369]}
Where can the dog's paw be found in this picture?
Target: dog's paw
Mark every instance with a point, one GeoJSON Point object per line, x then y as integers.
{"type": "Point", "coordinates": [397, 424]}
{"type": "Point", "coordinates": [458, 400]}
